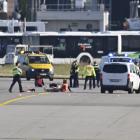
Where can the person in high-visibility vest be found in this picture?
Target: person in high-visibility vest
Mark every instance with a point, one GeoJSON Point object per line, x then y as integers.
{"type": "Point", "coordinates": [88, 73]}
{"type": "Point", "coordinates": [97, 78]}
{"type": "Point", "coordinates": [74, 80]}
{"type": "Point", "coordinates": [17, 72]}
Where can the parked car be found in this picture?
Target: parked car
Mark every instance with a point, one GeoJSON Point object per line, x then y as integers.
{"type": "Point", "coordinates": [120, 76]}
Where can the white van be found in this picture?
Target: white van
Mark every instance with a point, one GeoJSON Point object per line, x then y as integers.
{"type": "Point", "coordinates": [120, 76]}
{"type": "Point", "coordinates": [108, 59]}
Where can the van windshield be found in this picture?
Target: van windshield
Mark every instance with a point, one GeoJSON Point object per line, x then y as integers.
{"type": "Point", "coordinates": [115, 68]}
{"type": "Point", "coordinates": [39, 59]}
{"type": "Point", "coordinates": [123, 59]}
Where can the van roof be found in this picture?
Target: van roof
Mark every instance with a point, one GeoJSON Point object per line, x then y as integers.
{"type": "Point", "coordinates": [37, 55]}
{"type": "Point", "coordinates": [125, 63]}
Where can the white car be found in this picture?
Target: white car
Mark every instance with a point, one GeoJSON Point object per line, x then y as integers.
{"type": "Point", "coordinates": [120, 76]}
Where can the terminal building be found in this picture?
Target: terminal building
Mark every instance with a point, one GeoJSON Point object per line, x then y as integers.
{"type": "Point", "coordinates": [61, 15]}
{"type": "Point", "coordinates": [73, 15]}
{"type": "Point", "coordinates": [93, 15]}
{"type": "Point", "coordinates": [74, 26]}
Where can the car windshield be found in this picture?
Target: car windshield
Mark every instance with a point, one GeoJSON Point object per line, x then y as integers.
{"type": "Point", "coordinates": [38, 59]}
{"type": "Point", "coordinates": [115, 68]}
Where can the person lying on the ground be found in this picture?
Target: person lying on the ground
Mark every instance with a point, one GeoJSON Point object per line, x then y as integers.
{"type": "Point", "coordinates": [54, 87]}
{"type": "Point", "coordinates": [31, 90]}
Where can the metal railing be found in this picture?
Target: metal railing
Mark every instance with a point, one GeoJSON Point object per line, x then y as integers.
{"type": "Point", "coordinates": [70, 7]}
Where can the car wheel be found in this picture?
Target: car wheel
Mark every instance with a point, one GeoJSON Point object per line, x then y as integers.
{"type": "Point", "coordinates": [27, 76]}
{"type": "Point", "coordinates": [138, 91]}
{"type": "Point", "coordinates": [102, 90]}
{"type": "Point", "coordinates": [51, 78]}
{"type": "Point", "coordinates": [110, 91]}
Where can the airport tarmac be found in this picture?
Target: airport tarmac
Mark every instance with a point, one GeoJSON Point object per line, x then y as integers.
{"type": "Point", "coordinates": [79, 115]}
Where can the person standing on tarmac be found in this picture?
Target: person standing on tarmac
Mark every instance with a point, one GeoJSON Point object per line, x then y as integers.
{"type": "Point", "coordinates": [74, 71]}
{"type": "Point", "coordinates": [97, 78]}
{"type": "Point", "coordinates": [17, 72]}
{"type": "Point", "coordinates": [88, 73]}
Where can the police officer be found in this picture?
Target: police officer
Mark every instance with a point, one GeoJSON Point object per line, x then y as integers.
{"type": "Point", "coordinates": [88, 73]}
{"type": "Point", "coordinates": [74, 71]}
{"type": "Point", "coordinates": [97, 78]}
{"type": "Point", "coordinates": [16, 77]}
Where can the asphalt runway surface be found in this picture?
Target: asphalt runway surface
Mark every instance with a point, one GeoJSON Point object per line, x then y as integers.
{"type": "Point", "coordinates": [77, 115]}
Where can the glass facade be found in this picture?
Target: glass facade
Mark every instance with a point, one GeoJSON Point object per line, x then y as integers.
{"type": "Point", "coordinates": [57, 4]}
{"type": "Point", "coordinates": [71, 46]}
{"type": "Point", "coordinates": [8, 40]}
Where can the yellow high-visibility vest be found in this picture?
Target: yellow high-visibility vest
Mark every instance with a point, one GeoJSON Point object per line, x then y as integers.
{"type": "Point", "coordinates": [17, 71]}
{"type": "Point", "coordinates": [89, 71]}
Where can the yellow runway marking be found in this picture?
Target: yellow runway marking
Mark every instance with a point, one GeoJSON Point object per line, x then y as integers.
{"type": "Point", "coordinates": [16, 99]}
{"type": "Point", "coordinates": [42, 93]}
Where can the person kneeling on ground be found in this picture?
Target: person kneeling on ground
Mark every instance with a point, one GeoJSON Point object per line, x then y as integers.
{"type": "Point", "coordinates": [65, 86]}
{"type": "Point", "coordinates": [39, 81]}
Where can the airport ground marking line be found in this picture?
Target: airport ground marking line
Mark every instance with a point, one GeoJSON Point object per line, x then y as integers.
{"type": "Point", "coordinates": [16, 99]}
{"type": "Point", "coordinates": [21, 98]}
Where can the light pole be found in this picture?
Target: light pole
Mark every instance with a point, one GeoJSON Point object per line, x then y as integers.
{"type": "Point", "coordinates": [58, 5]}
{"type": "Point", "coordinates": [33, 6]}
{"type": "Point", "coordinates": [110, 13]}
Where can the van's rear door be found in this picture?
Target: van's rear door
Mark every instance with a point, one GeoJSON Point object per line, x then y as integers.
{"type": "Point", "coordinates": [115, 74]}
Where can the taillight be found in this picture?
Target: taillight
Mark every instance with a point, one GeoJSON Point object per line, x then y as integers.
{"type": "Point", "coordinates": [128, 76]}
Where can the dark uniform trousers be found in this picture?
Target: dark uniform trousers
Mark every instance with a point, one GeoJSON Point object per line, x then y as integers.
{"type": "Point", "coordinates": [16, 78]}
{"type": "Point", "coordinates": [90, 82]}
{"type": "Point", "coordinates": [74, 80]}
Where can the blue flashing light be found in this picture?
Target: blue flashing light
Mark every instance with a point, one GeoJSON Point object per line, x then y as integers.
{"type": "Point", "coordinates": [126, 54]}
{"type": "Point", "coordinates": [110, 54]}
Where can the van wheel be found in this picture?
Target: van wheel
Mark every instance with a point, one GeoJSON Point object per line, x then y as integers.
{"type": "Point", "coordinates": [102, 90]}
{"type": "Point", "coordinates": [138, 91]}
{"type": "Point", "coordinates": [110, 91]}
{"type": "Point", "coordinates": [28, 78]}
{"type": "Point", "coordinates": [130, 90]}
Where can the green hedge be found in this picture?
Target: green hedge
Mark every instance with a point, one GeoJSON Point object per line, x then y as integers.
{"type": "Point", "coordinates": [59, 69]}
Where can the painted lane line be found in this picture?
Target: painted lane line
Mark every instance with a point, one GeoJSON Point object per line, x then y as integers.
{"type": "Point", "coordinates": [16, 99]}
